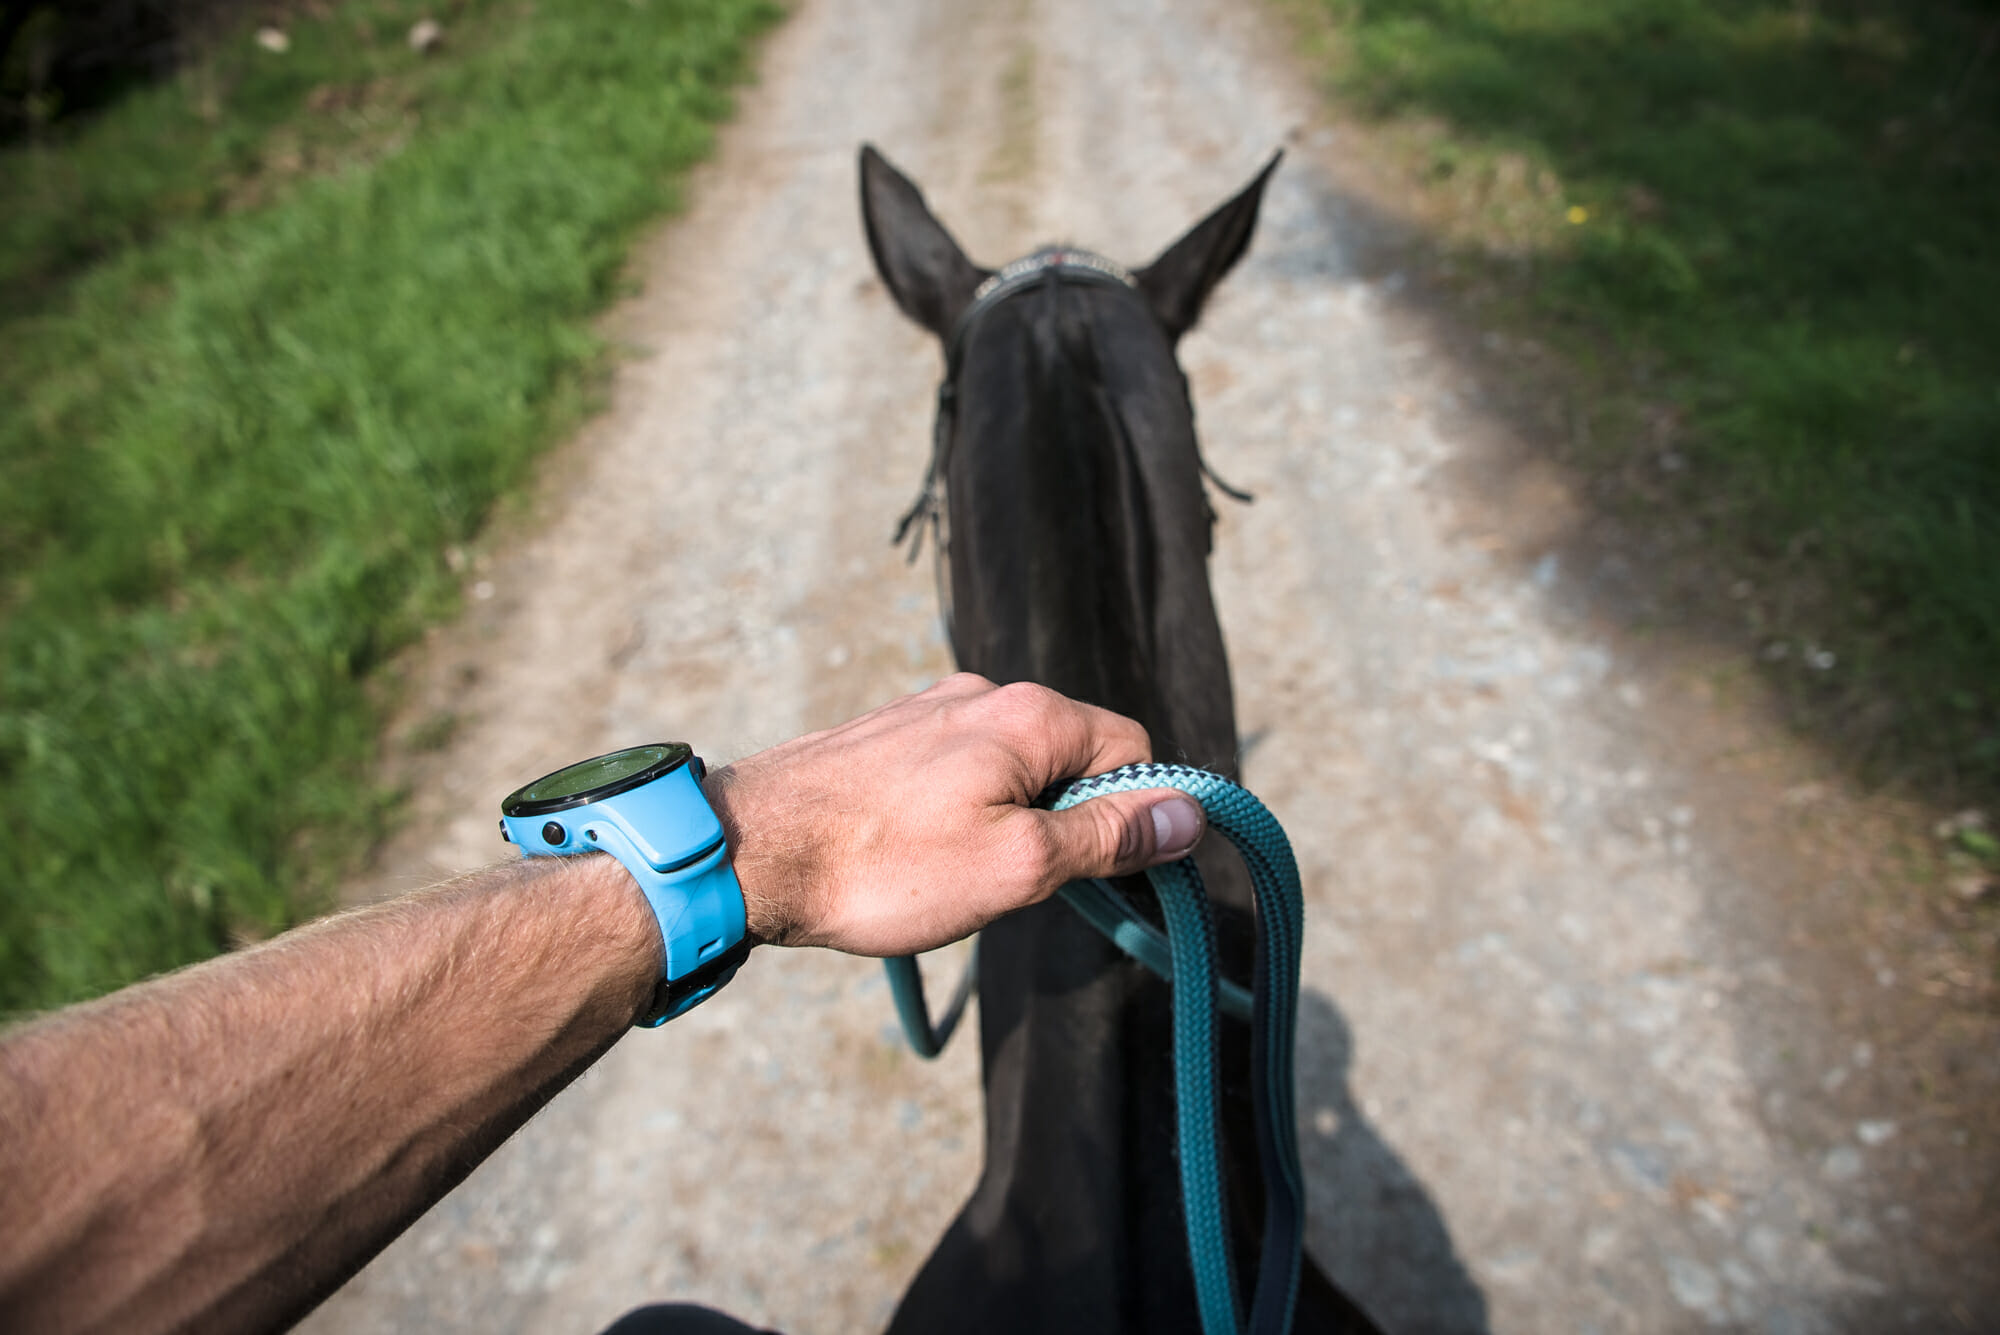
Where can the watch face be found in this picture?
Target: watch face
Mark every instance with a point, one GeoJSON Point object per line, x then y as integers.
{"type": "Point", "coordinates": [598, 777]}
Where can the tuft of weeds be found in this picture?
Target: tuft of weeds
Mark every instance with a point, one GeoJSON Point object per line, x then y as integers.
{"type": "Point", "coordinates": [1769, 226]}
{"type": "Point", "coordinates": [274, 335]}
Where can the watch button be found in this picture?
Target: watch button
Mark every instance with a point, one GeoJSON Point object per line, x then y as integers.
{"type": "Point", "coordinates": [554, 833]}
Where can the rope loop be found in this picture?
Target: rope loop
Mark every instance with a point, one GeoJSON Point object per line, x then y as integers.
{"type": "Point", "coordinates": [1188, 962]}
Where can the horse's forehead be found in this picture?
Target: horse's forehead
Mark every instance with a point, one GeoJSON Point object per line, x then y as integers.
{"type": "Point", "coordinates": [1050, 323]}
{"type": "Point", "coordinates": [1107, 344]}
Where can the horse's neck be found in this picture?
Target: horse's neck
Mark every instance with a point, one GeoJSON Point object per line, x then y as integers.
{"type": "Point", "coordinates": [1077, 1219]}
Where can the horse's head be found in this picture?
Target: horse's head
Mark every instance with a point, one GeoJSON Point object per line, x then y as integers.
{"type": "Point", "coordinates": [1078, 523]}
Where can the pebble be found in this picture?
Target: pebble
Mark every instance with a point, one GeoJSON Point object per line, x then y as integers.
{"type": "Point", "coordinates": [1874, 1132]}
{"type": "Point", "coordinates": [1842, 1164]}
{"type": "Point", "coordinates": [1766, 1246]}
{"type": "Point", "coordinates": [1694, 1286]}
{"type": "Point", "coordinates": [1600, 1245]}
{"type": "Point", "coordinates": [1740, 1276]}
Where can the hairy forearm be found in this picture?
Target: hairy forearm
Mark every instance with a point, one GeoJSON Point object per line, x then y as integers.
{"type": "Point", "coordinates": [221, 1147]}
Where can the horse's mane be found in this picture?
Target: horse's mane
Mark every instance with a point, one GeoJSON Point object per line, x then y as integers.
{"type": "Point", "coordinates": [1078, 469]}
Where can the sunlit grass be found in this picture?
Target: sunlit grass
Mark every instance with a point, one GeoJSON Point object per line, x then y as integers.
{"type": "Point", "coordinates": [272, 336]}
{"type": "Point", "coordinates": [1777, 222]}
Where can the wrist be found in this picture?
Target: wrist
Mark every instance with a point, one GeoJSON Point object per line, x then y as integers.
{"type": "Point", "coordinates": [605, 910]}
{"type": "Point", "coordinates": [644, 805]}
{"type": "Point", "coordinates": [765, 919]}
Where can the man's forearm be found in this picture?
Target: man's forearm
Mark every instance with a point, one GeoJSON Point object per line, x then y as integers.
{"type": "Point", "coordinates": [367, 1063]}
{"type": "Point", "coordinates": [218, 1149]}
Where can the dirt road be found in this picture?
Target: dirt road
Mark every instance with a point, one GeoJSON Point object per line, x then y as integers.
{"type": "Point", "coordinates": [1560, 1068]}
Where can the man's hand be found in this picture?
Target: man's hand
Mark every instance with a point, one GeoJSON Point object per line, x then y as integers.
{"type": "Point", "coordinates": [217, 1149]}
{"type": "Point", "coordinates": [910, 826]}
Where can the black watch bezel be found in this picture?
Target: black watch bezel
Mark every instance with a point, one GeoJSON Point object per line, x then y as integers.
{"type": "Point", "coordinates": [514, 804]}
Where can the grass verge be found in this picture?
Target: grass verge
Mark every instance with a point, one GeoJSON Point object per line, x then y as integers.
{"type": "Point", "coordinates": [274, 335]}
{"type": "Point", "coordinates": [1761, 234]}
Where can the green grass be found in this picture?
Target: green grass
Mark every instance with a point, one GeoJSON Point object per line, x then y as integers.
{"type": "Point", "coordinates": [1776, 223]}
{"type": "Point", "coordinates": [273, 335]}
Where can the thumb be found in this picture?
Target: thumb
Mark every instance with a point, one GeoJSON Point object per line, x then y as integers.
{"type": "Point", "coordinates": [1122, 833]}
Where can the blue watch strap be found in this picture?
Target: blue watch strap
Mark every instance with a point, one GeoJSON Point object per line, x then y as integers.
{"type": "Point", "coordinates": [677, 996]}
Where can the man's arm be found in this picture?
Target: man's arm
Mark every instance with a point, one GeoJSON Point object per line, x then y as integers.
{"type": "Point", "coordinates": [222, 1147]}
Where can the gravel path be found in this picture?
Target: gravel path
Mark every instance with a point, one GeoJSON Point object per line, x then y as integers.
{"type": "Point", "coordinates": [1544, 1049]}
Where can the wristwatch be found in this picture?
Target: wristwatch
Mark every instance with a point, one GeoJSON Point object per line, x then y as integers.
{"type": "Point", "coordinates": [644, 806]}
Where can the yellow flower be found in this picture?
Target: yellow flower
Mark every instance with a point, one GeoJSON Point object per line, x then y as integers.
{"type": "Point", "coordinates": [1578, 214]}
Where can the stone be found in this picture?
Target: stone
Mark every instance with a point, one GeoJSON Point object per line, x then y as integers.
{"type": "Point", "coordinates": [1842, 1164]}
{"type": "Point", "coordinates": [1874, 1132]}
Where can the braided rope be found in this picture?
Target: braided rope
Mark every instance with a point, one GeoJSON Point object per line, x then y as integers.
{"type": "Point", "coordinates": [1280, 906]}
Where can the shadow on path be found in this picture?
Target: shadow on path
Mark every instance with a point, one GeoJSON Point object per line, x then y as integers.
{"type": "Point", "coordinates": [1371, 1223]}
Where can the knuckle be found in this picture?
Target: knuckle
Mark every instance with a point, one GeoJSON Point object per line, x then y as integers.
{"type": "Point", "coordinates": [1020, 708]}
{"type": "Point", "coordinates": [1033, 851]}
{"type": "Point", "coordinates": [963, 681]}
{"type": "Point", "coordinates": [1026, 696]}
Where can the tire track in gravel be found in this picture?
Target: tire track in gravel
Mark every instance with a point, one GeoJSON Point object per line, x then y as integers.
{"type": "Point", "coordinates": [1527, 1092]}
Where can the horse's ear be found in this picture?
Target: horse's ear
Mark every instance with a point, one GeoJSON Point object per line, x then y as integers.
{"type": "Point", "coordinates": [1180, 280]}
{"type": "Point", "coordinates": [925, 270]}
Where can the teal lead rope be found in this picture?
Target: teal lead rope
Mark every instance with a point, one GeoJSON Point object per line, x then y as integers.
{"type": "Point", "coordinates": [1186, 958]}
{"type": "Point", "coordinates": [906, 985]}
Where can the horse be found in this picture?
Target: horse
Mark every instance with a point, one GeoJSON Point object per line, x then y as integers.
{"type": "Point", "coordinates": [1075, 529]}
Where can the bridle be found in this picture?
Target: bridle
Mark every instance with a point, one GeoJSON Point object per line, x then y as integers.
{"type": "Point", "coordinates": [1051, 264]}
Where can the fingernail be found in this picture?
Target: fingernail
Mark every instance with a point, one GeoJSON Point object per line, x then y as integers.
{"type": "Point", "coordinates": [1176, 826]}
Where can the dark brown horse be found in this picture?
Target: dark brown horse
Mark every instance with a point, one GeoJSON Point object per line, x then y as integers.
{"type": "Point", "coordinates": [1076, 527]}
